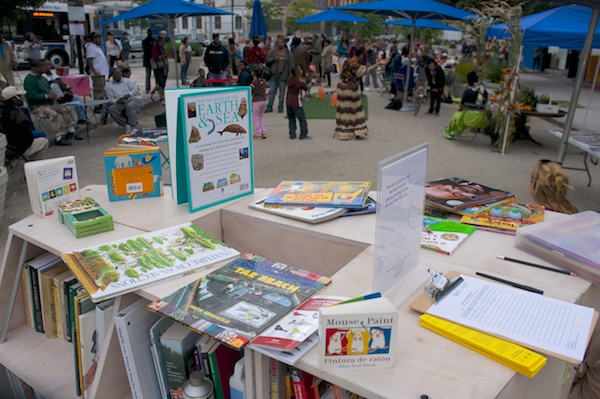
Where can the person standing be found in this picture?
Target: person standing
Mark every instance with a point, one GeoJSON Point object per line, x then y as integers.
{"type": "Point", "coordinates": [158, 61]}
{"type": "Point", "coordinates": [302, 56]}
{"type": "Point", "coordinates": [350, 121]}
{"type": "Point", "coordinates": [280, 60]}
{"type": "Point", "coordinates": [293, 103]}
{"type": "Point", "coordinates": [342, 50]}
{"type": "Point", "coordinates": [147, 44]}
{"type": "Point", "coordinates": [256, 55]}
{"type": "Point", "coordinates": [185, 58]}
{"type": "Point", "coordinates": [216, 59]}
{"type": "Point", "coordinates": [33, 47]}
{"type": "Point", "coordinates": [315, 54]}
{"type": "Point", "coordinates": [113, 50]}
{"type": "Point", "coordinates": [125, 48]}
{"type": "Point", "coordinates": [234, 57]}
{"type": "Point", "coordinates": [436, 79]}
{"type": "Point", "coordinates": [327, 61]}
{"type": "Point", "coordinates": [96, 60]}
{"type": "Point", "coordinates": [537, 59]}
{"type": "Point", "coordinates": [371, 51]}
{"type": "Point", "coordinates": [8, 62]}
{"type": "Point", "coordinates": [259, 102]}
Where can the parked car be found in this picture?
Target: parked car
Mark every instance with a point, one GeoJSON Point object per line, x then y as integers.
{"type": "Point", "coordinates": [135, 42]}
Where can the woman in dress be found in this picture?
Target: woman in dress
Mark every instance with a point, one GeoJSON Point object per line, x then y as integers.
{"type": "Point", "coordinates": [185, 57]}
{"type": "Point", "coordinates": [113, 50]}
{"type": "Point", "coordinates": [350, 122]}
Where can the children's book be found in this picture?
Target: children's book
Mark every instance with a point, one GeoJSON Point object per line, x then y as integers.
{"type": "Point", "coordinates": [358, 335]}
{"type": "Point", "coordinates": [370, 207]}
{"type": "Point", "coordinates": [126, 265]}
{"type": "Point", "coordinates": [50, 182]}
{"type": "Point", "coordinates": [133, 172]}
{"type": "Point", "coordinates": [337, 194]}
{"type": "Point", "coordinates": [238, 301]}
{"type": "Point", "coordinates": [507, 218]}
{"type": "Point", "coordinates": [479, 209]}
{"type": "Point", "coordinates": [442, 235]}
{"type": "Point", "coordinates": [454, 194]}
{"type": "Point", "coordinates": [308, 214]}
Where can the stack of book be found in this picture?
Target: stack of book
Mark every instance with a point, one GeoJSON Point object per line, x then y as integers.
{"type": "Point", "coordinates": [318, 201]}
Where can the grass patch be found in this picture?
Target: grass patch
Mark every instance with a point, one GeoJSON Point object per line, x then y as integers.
{"type": "Point", "coordinates": [322, 109]}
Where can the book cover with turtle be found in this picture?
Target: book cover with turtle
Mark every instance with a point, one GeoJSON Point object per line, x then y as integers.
{"type": "Point", "coordinates": [123, 266]}
{"type": "Point", "coordinates": [217, 145]}
{"type": "Point", "coordinates": [335, 194]}
{"type": "Point", "coordinates": [238, 301]}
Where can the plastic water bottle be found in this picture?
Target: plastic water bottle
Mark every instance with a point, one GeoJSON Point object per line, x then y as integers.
{"type": "Point", "coordinates": [198, 387]}
{"type": "Point", "coordinates": [237, 381]}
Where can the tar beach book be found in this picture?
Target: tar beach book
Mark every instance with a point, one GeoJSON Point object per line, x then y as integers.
{"type": "Point", "coordinates": [122, 266]}
{"type": "Point", "coordinates": [238, 301]}
{"type": "Point", "coordinates": [442, 235]}
{"type": "Point", "coordinates": [507, 218]}
{"type": "Point", "coordinates": [454, 194]}
{"type": "Point", "coordinates": [334, 194]}
{"type": "Point", "coordinates": [358, 335]}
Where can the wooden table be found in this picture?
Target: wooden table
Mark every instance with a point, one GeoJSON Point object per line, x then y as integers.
{"type": "Point", "coordinates": [522, 131]}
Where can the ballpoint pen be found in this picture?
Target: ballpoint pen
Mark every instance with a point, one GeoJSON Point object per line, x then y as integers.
{"type": "Point", "coordinates": [511, 283]}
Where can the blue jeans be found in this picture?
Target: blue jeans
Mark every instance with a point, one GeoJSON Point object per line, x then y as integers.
{"type": "Point", "coordinates": [79, 109]}
{"type": "Point", "coordinates": [276, 82]}
{"type": "Point", "coordinates": [220, 75]}
{"type": "Point", "coordinates": [292, 114]}
{"type": "Point", "coordinates": [184, 69]}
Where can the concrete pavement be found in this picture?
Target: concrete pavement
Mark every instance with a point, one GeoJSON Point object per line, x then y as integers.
{"type": "Point", "coordinates": [323, 158]}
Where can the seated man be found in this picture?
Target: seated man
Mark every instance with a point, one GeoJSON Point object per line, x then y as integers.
{"type": "Point", "coordinates": [17, 128]}
{"type": "Point", "coordinates": [125, 101]}
{"type": "Point", "coordinates": [63, 91]}
{"type": "Point", "coordinates": [40, 99]}
{"type": "Point", "coordinates": [470, 110]}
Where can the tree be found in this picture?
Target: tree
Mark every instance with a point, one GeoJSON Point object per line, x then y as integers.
{"type": "Point", "coordinates": [364, 30]}
{"type": "Point", "coordinates": [299, 9]}
{"type": "Point", "coordinates": [10, 11]}
{"type": "Point", "coordinates": [272, 11]}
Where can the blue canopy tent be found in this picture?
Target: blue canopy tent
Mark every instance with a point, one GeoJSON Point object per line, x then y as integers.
{"type": "Point", "coordinates": [258, 26]}
{"type": "Point", "coordinates": [167, 10]}
{"type": "Point", "coordinates": [412, 10]}
{"type": "Point", "coordinates": [331, 15]}
{"type": "Point", "coordinates": [422, 23]}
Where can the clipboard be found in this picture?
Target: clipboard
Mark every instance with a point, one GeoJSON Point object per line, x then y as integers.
{"type": "Point", "coordinates": [422, 303]}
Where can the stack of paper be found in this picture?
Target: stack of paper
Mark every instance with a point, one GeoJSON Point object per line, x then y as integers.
{"type": "Point", "coordinates": [518, 358]}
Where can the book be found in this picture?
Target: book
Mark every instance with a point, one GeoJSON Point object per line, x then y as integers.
{"type": "Point", "coordinates": [132, 325]}
{"type": "Point", "coordinates": [27, 287]}
{"type": "Point", "coordinates": [222, 360]}
{"type": "Point", "coordinates": [238, 301]}
{"type": "Point", "coordinates": [126, 265]}
{"type": "Point", "coordinates": [358, 335]}
{"type": "Point", "coordinates": [443, 235]}
{"type": "Point", "coordinates": [454, 194]}
{"type": "Point", "coordinates": [295, 327]}
{"type": "Point", "coordinates": [370, 207]}
{"type": "Point", "coordinates": [507, 218]}
{"type": "Point", "coordinates": [47, 294]}
{"type": "Point", "coordinates": [277, 372]}
{"type": "Point", "coordinates": [570, 242]}
{"type": "Point", "coordinates": [178, 344]}
{"type": "Point", "coordinates": [50, 182]}
{"type": "Point", "coordinates": [35, 270]}
{"type": "Point", "coordinates": [344, 194]}
{"type": "Point", "coordinates": [289, 357]}
{"type": "Point", "coordinates": [103, 312]}
{"type": "Point", "coordinates": [133, 172]}
{"type": "Point", "coordinates": [158, 357]}
{"type": "Point", "coordinates": [66, 303]}
{"type": "Point", "coordinates": [60, 302]}
{"type": "Point", "coordinates": [518, 358]}
{"type": "Point", "coordinates": [302, 384]}
{"type": "Point", "coordinates": [85, 343]}
{"type": "Point", "coordinates": [478, 209]}
{"type": "Point", "coordinates": [84, 217]}
{"type": "Point", "coordinates": [309, 214]}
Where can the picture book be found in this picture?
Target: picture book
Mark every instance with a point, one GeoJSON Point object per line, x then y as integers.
{"type": "Point", "coordinates": [289, 357]}
{"type": "Point", "coordinates": [455, 193]}
{"type": "Point", "coordinates": [50, 182]}
{"type": "Point", "coordinates": [84, 217]}
{"type": "Point", "coordinates": [238, 301]}
{"type": "Point", "coordinates": [479, 209]}
{"type": "Point", "coordinates": [358, 335]}
{"type": "Point", "coordinates": [309, 214]}
{"type": "Point", "coordinates": [126, 265]}
{"type": "Point", "coordinates": [133, 172]}
{"type": "Point", "coordinates": [291, 330]}
{"type": "Point", "coordinates": [443, 235]}
{"type": "Point", "coordinates": [337, 194]}
{"type": "Point", "coordinates": [507, 218]}
{"type": "Point", "coordinates": [216, 139]}
{"type": "Point", "coordinates": [370, 207]}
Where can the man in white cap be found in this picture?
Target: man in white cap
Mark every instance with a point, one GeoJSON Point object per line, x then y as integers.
{"type": "Point", "coordinates": [18, 129]}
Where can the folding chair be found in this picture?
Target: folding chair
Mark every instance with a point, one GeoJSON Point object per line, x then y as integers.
{"type": "Point", "coordinates": [399, 79]}
{"type": "Point", "coordinates": [385, 80]}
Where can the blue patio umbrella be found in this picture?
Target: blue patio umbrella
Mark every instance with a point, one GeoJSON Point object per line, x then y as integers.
{"type": "Point", "coordinates": [167, 10]}
{"type": "Point", "coordinates": [258, 26]}
{"type": "Point", "coordinates": [422, 23]}
{"type": "Point", "coordinates": [412, 10]}
{"type": "Point", "coordinates": [331, 15]}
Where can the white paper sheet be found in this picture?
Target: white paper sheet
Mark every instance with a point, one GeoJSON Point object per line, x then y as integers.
{"type": "Point", "coordinates": [519, 316]}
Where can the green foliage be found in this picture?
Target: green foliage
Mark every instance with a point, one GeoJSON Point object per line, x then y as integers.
{"type": "Point", "coordinates": [298, 10]}
{"type": "Point", "coordinates": [463, 68]}
{"type": "Point", "coordinates": [272, 10]}
{"type": "Point", "coordinates": [427, 36]}
{"type": "Point", "coordinates": [527, 96]}
{"type": "Point", "coordinates": [492, 71]}
{"type": "Point", "coordinates": [196, 48]}
{"type": "Point", "coordinates": [364, 29]}
{"type": "Point", "coordinates": [14, 10]}
{"type": "Point", "coordinates": [529, 7]}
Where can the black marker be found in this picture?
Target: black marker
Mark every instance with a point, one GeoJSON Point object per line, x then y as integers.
{"type": "Point", "coordinates": [511, 283]}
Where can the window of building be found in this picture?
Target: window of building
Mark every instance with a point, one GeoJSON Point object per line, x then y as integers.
{"type": "Point", "coordinates": [238, 23]}
{"type": "Point", "coordinates": [198, 22]}
{"type": "Point", "coordinates": [184, 23]}
{"type": "Point", "coordinates": [218, 23]}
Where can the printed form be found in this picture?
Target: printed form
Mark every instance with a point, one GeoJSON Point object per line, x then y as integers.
{"type": "Point", "coordinates": [533, 320]}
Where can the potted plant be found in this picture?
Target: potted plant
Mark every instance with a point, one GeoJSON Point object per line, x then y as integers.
{"type": "Point", "coordinates": [546, 105]}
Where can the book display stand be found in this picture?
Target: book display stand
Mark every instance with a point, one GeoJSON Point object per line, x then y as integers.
{"type": "Point", "coordinates": [342, 248]}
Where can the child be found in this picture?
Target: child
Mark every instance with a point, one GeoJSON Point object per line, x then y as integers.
{"type": "Point", "coordinates": [259, 102]}
{"type": "Point", "coordinates": [549, 186]}
{"type": "Point", "coordinates": [200, 80]}
{"type": "Point", "coordinates": [293, 102]}
{"type": "Point", "coordinates": [418, 97]}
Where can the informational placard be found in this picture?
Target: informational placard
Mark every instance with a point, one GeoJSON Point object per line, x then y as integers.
{"type": "Point", "coordinates": [217, 127]}
{"type": "Point", "coordinates": [401, 186]}
{"type": "Point", "coordinates": [75, 11]}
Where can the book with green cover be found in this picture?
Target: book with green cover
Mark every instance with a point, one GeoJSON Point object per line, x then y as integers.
{"type": "Point", "coordinates": [442, 235]}
{"type": "Point", "coordinates": [343, 194]}
{"type": "Point", "coordinates": [236, 302]}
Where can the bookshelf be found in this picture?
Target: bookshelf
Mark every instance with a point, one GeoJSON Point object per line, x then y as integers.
{"type": "Point", "coordinates": [342, 248]}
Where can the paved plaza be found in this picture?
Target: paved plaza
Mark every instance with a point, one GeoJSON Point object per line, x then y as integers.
{"type": "Point", "coordinates": [390, 132]}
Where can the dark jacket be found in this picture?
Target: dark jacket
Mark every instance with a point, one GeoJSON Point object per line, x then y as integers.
{"type": "Point", "coordinates": [294, 87]}
{"type": "Point", "coordinates": [147, 44]}
{"type": "Point", "coordinates": [18, 131]}
{"type": "Point", "coordinates": [216, 58]}
{"type": "Point", "coordinates": [437, 79]}
{"type": "Point", "coordinates": [245, 77]}
{"type": "Point", "coordinates": [280, 68]}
